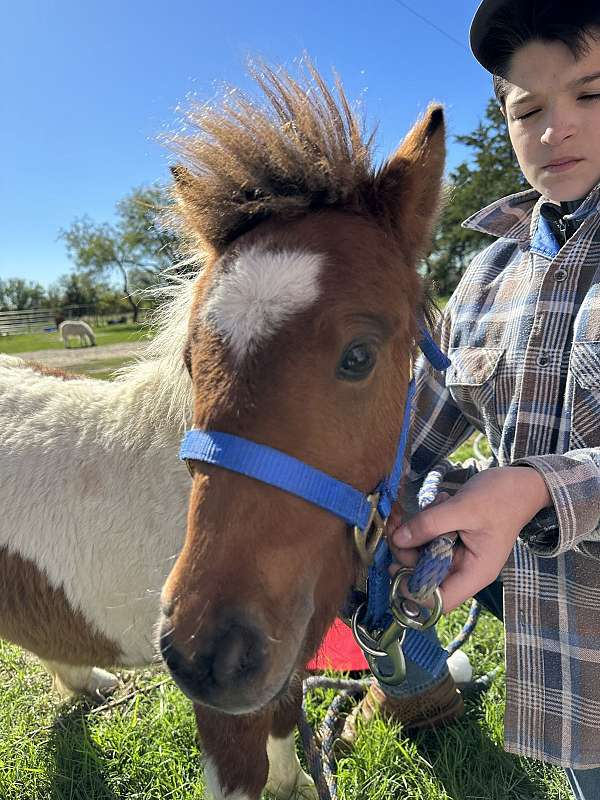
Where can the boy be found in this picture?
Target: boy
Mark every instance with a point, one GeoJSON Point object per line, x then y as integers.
{"type": "Point", "coordinates": [523, 334]}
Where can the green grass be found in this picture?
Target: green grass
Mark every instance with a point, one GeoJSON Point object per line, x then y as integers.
{"type": "Point", "coordinates": [144, 749]}
{"type": "Point", "coordinates": [109, 334]}
{"type": "Point", "coordinates": [103, 368]}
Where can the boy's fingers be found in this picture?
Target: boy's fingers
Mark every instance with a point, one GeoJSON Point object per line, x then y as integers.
{"type": "Point", "coordinates": [404, 558]}
{"type": "Point", "coordinates": [445, 517]}
{"type": "Point", "coordinates": [440, 498]}
{"type": "Point", "coordinates": [463, 584]}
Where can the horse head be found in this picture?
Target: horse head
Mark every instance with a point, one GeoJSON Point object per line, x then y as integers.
{"type": "Point", "coordinates": [301, 338]}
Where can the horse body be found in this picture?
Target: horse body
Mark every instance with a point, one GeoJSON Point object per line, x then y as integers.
{"type": "Point", "coordinates": [93, 507]}
{"type": "Point", "coordinates": [298, 334]}
{"type": "Point", "coordinates": [76, 327]}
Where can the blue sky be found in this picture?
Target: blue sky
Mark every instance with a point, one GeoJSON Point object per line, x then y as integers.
{"type": "Point", "coordinates": [88, 86]}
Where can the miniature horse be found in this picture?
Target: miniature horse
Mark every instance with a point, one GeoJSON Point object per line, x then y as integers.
{"type": "Point", "coordinates": [301, 337]}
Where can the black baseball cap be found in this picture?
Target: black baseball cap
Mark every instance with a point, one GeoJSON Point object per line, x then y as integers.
{"type": "Point", "coordinates": [480, 28]}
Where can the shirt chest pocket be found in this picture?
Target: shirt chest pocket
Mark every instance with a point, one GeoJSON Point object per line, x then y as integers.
{"type": "Point", "coordinates": [585, 414]}
{"type": "Point", "coordinates": [471, 380]}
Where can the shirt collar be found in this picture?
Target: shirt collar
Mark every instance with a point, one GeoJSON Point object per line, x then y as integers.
{"type": "Point", "coordinates": [516, 217]}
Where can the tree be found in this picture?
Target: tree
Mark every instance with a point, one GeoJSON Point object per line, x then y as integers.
{"type": "Point", "coordinates": [491, 173]}
{"type": "Point", "coordinates": [136, 248]}
{"type": "Point", "coordinates": [17, 294]}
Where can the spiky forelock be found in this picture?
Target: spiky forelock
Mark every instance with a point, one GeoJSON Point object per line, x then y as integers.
{"type": "Point", "coordinates": [248, 161]}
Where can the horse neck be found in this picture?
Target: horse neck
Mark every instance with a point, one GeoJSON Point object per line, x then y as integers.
{"type": "Point", "coordinates": [155, 393]}
{"type": "Point", "coordinates": [155, 400]}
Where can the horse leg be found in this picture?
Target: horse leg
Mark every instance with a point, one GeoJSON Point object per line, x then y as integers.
{"type": "Point", "coordinates": [74, 680]}
{"type": "Point", "coordinates": [245, 754]}
{"type": "Point", "coordinates": [287, 779]}
{"type": "Point", "coordinates": [235, 749]}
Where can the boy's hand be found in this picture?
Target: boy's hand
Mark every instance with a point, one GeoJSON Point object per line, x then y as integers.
{"type": "Point", "coordinates": [488, 513]}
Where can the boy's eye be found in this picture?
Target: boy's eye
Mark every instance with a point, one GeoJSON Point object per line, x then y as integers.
{"type": "Point", "coordinates": [590, 97]}
{"type": "Point", "coordinates": [527, 115]}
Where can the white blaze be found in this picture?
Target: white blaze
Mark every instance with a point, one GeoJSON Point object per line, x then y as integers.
{"type": "Point", "coordinates": [259, 291]}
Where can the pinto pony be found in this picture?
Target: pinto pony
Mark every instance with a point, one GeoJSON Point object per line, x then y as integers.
{"type": "Point", "coordinates": [301, 337]}
{"type": "Point", "coordinates": [93, 506]}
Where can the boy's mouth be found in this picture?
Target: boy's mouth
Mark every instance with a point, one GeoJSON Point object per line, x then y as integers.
{"type": "Point", "coordinates": [562, 164]}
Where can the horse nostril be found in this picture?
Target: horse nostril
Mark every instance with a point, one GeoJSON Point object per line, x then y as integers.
{"type": "Point", "coordinates": [239, 654]}
{"type": "Point", "coordinates": [230, 659]}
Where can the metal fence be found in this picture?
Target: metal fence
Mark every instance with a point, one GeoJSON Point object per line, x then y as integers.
{"type": "Point", "coordinates": [37, 320]}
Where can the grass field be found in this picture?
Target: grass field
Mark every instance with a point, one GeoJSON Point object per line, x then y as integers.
{"type": "Point", "coordinates": [109, 334]}
{"type": "Point", "coordinates": [144, 747]}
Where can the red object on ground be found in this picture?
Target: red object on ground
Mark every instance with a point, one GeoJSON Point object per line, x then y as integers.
{"type": "Point", "coordinates": [339, 651]}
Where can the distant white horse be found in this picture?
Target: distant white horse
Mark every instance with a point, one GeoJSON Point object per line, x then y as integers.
{"type": "Point", "coordinates": [93, 506]}
{"type": "Point", "coordinates": [76, 327]}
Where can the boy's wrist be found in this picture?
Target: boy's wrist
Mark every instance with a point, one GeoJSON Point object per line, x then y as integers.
{"type": "Point", "coordinates": [540, 495]}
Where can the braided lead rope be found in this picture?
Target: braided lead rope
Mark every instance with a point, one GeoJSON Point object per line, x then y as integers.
{"type": "Point", "coordinates": [436, 557]}
{"type": "Point", "coordinates": [321, 760]}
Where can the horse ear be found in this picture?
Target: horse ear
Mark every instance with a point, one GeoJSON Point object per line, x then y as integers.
{"type": "Point", "coordinates": [410, 182]}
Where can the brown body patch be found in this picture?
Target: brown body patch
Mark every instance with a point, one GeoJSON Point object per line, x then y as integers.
{"type": "Point", "coordinates": [42, 369]}
{"type": "Point", "coordinates": [39, 618]}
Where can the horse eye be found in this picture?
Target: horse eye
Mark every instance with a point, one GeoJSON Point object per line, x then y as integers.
{"type": "Point", "coordinates": [357, 362]}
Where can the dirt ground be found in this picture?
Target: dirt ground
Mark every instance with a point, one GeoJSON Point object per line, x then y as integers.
{"type": "Point", "coordinates": [80, 355]}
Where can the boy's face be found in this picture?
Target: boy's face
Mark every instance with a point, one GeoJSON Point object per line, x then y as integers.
{"type": "Point", "coordinates": [553, 114]}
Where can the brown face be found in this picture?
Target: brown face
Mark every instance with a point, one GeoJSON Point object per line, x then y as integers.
{"type": "Point", "coordinates": [317, 369]}
{"type": "Point", "coordinates": [300, 339]}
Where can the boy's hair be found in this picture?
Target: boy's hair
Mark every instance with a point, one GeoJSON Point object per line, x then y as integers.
{"type": "Point", "coordinates": [575, 24]}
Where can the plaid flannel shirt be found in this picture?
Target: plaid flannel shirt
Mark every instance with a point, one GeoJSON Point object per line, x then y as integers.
{"type": "Point", "coordinates": [523, 333]}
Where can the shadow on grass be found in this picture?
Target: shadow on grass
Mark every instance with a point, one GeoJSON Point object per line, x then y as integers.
{"type": "Point", "coordinates": [471, 765]}
{"type": "Point", "coordinates": [78, 763]}
{"type": "Point", "coordinates": [463, 761]}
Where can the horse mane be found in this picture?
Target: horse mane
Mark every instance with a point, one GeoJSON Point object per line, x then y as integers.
{"type": "Point", "coordinates": [298, 148]}
{"type": "Point", "coordinates": [159, 369]}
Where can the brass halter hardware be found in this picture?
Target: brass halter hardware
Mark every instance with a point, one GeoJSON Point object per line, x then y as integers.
{"type": "Point", "coordinates": [367, 539]}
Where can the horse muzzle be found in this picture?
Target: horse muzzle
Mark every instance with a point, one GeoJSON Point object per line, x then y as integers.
{"type": "Point", "coordinates": [229, 670]}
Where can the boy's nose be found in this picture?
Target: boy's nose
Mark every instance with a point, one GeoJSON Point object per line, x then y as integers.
{"type": "Point", "coordinates": [557, 132]}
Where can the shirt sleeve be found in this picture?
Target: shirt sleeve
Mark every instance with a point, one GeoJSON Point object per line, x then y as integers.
{"type": "Point", "coordinates": [573, 481]}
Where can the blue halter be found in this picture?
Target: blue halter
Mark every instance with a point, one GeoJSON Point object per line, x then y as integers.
{"type": "Point", "coordinates": [278, 469]}
{"type": "Point", "coordinates": [356, 508]}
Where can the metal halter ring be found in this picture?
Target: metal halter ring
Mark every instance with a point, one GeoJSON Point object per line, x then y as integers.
{"type": "Point", "coordinates": [364, 639]}
{"type": "Point", "coordinates": [410, 615]}
{"type": "Point", "coordinates": [367, 539]}
{"type": "Point", "coordinates": [387, 645]}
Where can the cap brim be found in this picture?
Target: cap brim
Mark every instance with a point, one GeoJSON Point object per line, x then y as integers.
{"type": "Point", "coordinates": [480, 28]}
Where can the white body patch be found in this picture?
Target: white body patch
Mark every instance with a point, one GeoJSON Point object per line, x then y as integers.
{"type": "Point", "coordinates": [259, 292]}
{"type": "Point", "coordinates": [92, 491]}
{"type": "Point", "coordinates": [287, 779]}
{"type": "Point", "coordinates": [213, 784]}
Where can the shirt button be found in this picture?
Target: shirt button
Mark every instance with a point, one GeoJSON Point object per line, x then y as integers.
{"type": "Point", "coordinates": [560, 275]}
{"type": "Point", "coordinates": [542, 360]}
